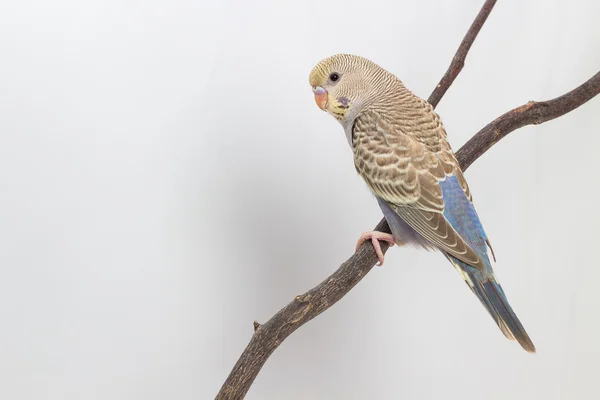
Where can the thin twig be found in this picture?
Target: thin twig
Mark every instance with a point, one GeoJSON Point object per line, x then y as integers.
{"type": "Point", "coordinates": [532, 113]}
{"type": "Point", "coordinates": [458, 61]}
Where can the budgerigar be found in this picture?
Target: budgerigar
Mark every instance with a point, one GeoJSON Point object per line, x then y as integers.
{"type": "Point", "coordinates": [401, 151]}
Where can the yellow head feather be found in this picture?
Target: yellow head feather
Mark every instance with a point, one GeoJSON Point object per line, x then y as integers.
{"type": "Point", "coordinates": [359, 82]}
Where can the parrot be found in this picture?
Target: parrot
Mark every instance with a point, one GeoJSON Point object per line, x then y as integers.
{"type": "Point", "coordinates": [401, 152]}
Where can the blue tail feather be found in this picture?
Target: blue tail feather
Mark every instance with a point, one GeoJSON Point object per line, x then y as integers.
{"type": "Point", "coordinates": [492, 296]}
{"type": "Point", "coordinates": [461, 214]}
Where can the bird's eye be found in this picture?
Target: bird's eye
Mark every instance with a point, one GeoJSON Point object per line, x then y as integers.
{"type": "Point", "coordinates": [334, 77]}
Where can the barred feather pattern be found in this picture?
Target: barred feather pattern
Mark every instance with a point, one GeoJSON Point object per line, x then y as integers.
{"type": "Point", "coordinates": [401, 151]}
{"type": "Point", "coordinates": [402, 154]}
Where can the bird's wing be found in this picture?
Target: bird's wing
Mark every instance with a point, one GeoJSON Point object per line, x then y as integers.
{"type": "Point", "coordinates": [403, 170]}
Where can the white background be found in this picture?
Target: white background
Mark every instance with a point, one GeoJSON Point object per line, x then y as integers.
{"type": "Point", "coordinates": [166, 179]}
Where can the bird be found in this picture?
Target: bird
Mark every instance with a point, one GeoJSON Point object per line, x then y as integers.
{"type": "Point", "coordinates": [401, 151]}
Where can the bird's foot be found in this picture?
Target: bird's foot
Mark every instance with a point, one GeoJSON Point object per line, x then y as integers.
{"type": "Point", "coordinates": [375, 237]}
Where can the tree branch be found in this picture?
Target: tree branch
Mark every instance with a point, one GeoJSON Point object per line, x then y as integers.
{"type": "Point", "coordinates": [458, 61]}
{"type": "Point", "coordinates": [532, 113]}
{"type": "Point", "coordinates": [303, 308]}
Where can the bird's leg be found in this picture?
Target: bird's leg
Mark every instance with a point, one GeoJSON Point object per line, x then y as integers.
{"type": "Point", "coordinates": [375, 237]}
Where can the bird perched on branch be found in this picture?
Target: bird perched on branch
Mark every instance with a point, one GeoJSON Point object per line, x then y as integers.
{"type": "Point", "coordinates": [401, 151]}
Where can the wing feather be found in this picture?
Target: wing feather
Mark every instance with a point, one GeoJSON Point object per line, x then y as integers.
{"type": "Point", "coordinates": [406, 173]}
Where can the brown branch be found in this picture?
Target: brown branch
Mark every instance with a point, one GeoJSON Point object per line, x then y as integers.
{"type": "Point", "coordinates": [303, 308]}
{"type": "Point", "coordinates": [532, 113]}
{"type": "Point", "coordinates": [458, 61]}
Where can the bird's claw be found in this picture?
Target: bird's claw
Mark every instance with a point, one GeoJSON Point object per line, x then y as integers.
{"type": "Point", "coordinates": [375, 237]}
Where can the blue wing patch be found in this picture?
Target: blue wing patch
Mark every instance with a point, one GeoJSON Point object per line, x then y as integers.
{"type": "Point", "coordinates": [461, 214]}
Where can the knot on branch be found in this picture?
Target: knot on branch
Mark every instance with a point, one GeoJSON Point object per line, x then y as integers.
{"type": "Point", "coordinates": [525, 106]}
{"type": "Point", "coordinates": [302, 307]}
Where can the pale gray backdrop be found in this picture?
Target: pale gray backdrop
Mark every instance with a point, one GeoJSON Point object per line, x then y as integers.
{"type": "Point", "coordinates": [166, 179]}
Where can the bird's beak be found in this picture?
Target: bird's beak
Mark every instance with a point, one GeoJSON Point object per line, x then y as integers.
{"type": "Point", "coordinates": [321, 97]}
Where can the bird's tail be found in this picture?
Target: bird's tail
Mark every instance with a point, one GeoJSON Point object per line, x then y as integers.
{"type": "Point", "coordinates": [483, 283]}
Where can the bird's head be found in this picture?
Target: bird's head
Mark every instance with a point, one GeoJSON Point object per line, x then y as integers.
{"type": "Point", "coordinates": [344, 84]}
